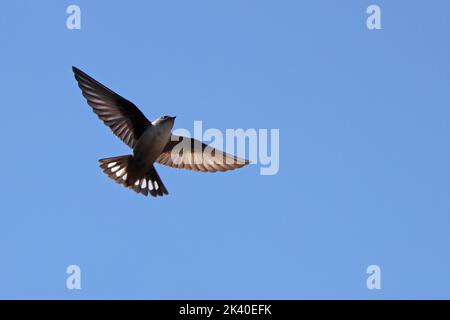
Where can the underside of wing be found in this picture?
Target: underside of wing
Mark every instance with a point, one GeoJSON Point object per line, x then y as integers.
{"type": "Point", "coordinates": [125, 119]}
{"type": "Point", "coordinates": [191, 154]}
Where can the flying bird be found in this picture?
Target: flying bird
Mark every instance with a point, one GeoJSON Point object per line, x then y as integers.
{"type": "Point", "coordinates": [151, 141]}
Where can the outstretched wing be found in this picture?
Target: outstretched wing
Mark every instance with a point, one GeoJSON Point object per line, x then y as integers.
{"type": "Point", "coordinates": [191, 154]}
{"type": "Point", "coordinates": [122, 116]}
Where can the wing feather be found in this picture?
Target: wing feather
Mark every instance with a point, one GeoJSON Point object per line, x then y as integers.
{"type": "Point", "coordinates": [125, 119]}
{"type": "Point", "coordinates": [191, 154]}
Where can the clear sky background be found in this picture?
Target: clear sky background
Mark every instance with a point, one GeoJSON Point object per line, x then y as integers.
{"type": "Point", "coordinates": [364, 119]}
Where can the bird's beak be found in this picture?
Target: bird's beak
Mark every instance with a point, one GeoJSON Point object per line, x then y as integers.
{"type": "Point", "coordinates": [173, 118]}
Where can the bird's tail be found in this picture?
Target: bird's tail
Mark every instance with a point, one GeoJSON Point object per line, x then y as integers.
{"type": "Point", "coordinates": [122, 170]}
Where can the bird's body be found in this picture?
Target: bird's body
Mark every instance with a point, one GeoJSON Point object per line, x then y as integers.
{"type": "Point", "coordinates": [152, 142]}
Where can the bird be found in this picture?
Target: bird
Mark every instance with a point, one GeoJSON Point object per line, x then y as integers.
{"type": "Point", "coordinates": [151, 142]}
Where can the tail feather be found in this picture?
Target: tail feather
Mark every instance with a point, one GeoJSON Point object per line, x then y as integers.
{"type": "Point", "coordinates": [118, 169]}
{"type": "Point", "coordinates": [155, 184]}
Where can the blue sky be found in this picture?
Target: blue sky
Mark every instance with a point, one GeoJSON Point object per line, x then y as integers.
{"type": "Point", "coordinates": [364, 160]}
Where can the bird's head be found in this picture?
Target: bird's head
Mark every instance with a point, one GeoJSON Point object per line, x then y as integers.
{"type": "Point", "coordinates": [166, 120]}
